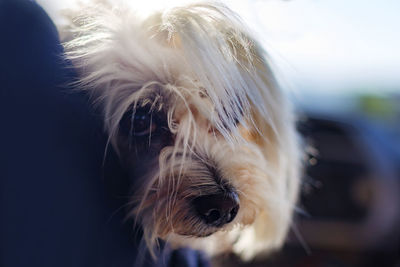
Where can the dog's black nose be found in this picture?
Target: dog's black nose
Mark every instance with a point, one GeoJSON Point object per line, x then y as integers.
{"type": "Point", "coordinates": [219, 209]}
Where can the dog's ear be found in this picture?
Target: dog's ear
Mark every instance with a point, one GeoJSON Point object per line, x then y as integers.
{"type": "Point", "coordinates": [274, 131]}
{"type": "Point", "coordinates": [274, 218]}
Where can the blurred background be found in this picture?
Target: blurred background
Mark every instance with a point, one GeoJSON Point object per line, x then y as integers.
{"type": "Point", "coordinates": [339, 61]}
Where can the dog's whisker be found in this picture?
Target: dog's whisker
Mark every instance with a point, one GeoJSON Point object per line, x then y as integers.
{"type": "Point", "coordinates": [120, 209]}
{"type": "Point", "coordinates": [301, 239]}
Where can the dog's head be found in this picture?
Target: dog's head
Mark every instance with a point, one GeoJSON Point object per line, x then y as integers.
{"type": "Point", "coordinates": [194, 111]}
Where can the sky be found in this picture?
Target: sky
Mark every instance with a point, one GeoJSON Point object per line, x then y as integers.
{"type": "Point", "coordinates": [331, 44]}
{"type": "Point", "coordinates": [320, 45]}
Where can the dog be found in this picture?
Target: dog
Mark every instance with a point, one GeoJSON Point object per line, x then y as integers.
{"type": "Point", "coordinates": [193, 109]}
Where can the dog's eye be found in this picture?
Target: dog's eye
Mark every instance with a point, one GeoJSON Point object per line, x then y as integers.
{"type": "Point", "coordinates": [143, 124]}
{"type": "Point", "coordinates": [140, 123]}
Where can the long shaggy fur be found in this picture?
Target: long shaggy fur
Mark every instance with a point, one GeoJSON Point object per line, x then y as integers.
{"type": "Point", "coordinates": [200, 65]}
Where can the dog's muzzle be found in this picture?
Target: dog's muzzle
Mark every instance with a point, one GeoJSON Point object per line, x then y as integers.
{"type": "Point", "coordinates": [217, 209]}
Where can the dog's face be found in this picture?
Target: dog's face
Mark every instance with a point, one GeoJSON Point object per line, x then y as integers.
{"type": "Point", "coordinates": [189, 178]}
{"type": "Point", "coordinates": [194, 112]}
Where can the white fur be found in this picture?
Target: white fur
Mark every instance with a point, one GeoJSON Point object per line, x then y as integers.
{"type": "Point", "coordinates": [213, 71]}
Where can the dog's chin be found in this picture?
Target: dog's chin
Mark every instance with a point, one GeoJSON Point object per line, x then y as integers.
{"type": "Point", "coordinates": [193, 234]}
{"type": "Point", "coordinates": [194, 228]}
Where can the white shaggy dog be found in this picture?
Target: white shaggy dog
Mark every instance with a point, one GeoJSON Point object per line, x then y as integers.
{"type": "Point", "coordinates": [195, 113]}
